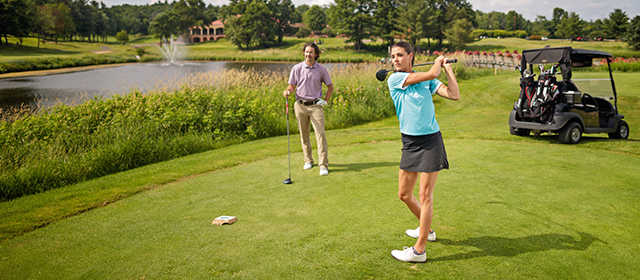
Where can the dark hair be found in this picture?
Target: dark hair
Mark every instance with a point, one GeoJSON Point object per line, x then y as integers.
{"type": "Point", "coordinates": [314, 46]}
{"type": "Point", "coordinates": [407, 48]}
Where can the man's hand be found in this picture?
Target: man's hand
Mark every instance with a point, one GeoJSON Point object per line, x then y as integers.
{"type": "Point", "coordinates": [321, 102]}
{"type": "Point", "coordinates": [286, 93]}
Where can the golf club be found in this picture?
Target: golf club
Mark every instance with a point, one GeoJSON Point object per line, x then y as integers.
{"type": "Point", "coordinates": [382, 73]}
{"type": "Point", "coordinates": [288, 180]}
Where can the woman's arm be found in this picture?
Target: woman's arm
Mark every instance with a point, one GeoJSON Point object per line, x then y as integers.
{"type": "Point", "coordinates": [419, 77]}
{"type": "Point", "coordinates": [452, 91]}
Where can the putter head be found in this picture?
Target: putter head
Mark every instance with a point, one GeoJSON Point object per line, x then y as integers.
{"type": "Point", "coordinates": [287, 181]}
{"type": "Point", "coordinates": [381, 74]}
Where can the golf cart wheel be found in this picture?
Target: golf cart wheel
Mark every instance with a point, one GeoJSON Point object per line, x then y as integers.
{"type": "Point", "coordinates": [622, 132]}
{"type": "Point", "coordinates": [519, 131]}
{"type": "Point", "coordinates": [570, 133]}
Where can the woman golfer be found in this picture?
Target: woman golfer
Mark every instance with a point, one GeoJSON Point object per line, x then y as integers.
{"type": "Point", "coordinates": [423, 152]}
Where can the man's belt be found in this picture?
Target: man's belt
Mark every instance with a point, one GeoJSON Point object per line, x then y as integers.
{"type": "Point", "coordinates": [307, 102]}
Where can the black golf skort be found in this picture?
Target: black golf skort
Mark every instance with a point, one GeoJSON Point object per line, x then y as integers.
{"type": "Point", "coordinates": [423, 153]}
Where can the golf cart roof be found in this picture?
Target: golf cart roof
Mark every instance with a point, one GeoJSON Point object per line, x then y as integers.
{"type": "Point", "coordinates": [567, 57]}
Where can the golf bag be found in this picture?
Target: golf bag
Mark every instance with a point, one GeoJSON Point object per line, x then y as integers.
{"type": "Point", "coordinates": [527, 88]}
{"type": "Point", "coordinates": [537, 99]}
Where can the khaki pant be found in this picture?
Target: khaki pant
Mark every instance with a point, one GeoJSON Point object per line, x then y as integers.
{"type": "Point", "coordinates": [315, 115]}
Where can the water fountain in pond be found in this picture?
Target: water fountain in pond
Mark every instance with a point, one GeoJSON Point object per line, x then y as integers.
{"type": "Point", "coordinates": [171, 51]}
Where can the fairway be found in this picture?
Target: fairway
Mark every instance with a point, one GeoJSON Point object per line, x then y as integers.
{"type": "Point", "coordinates": [497, 214]}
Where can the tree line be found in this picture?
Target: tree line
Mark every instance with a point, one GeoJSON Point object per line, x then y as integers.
{"type": "Point", "coordinates": [263, 23]}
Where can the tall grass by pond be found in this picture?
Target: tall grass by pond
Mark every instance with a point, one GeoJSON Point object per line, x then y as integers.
{"type": "Point", "coordinates": [67, 144]}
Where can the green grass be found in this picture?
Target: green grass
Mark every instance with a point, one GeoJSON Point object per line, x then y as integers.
{"type": "Point", "coordinates": [332, 50]}
{"type": "Point", "coordinates": [65, 49]}
{"type": "Point", "coordinates": [509, 208]}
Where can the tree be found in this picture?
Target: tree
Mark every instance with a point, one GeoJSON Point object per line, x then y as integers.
{"type": "Point", "coordinates": [597, 29]}
{"type": "Point", "coordinates": [43, 23]}
{"type": "Point", "coordinates": [122, 37]}
{"type": "Point", "coordinates": [449, 10]}
{"type": "Point", "coordinates": [459, 33]}
{"type": "Point", "coordinates": [315, 19]}
{"type": "Point", "coordinates": [385, 20]}
{"type": "Point", "coordinates": [164, 25]}
{"type": "Point", "coordinates": [260, 24]}
{"type": "Point", "coordinates": [411, 18]}
{"type": "Point", "coordinates": [514, 21]}
{"type": "Point", "coordinates": [189, 13]}
{"type": "Point", "coordinates": [101, 20]}
{"type": "Point", "coordinates": [353, 18]}
{"type": "Point", "coordinates": [558, 15]}
{"type": "Point", "coordinates": [633, 33]}
{"type": "Point", "coordinates": [490, 21]}
{"type": "Point", "coordinates": [63, 21]}
{"type": "Point", "coordinates": [251, 25]}
{"type": "Point", "coordinates": [542, 26]}
{"type": "Point", "coordinates": [283, 13]}
{"type": "Point", "coordinates": [16, 18]}
{"type": "Point", "coordinates": [571, 27]}
{"type": "Point", "coordinates": [617, 24]}
{"type": "Point", "coordinates": [83, 18]}
{"type": "Point", "coordinates": [300, 10]}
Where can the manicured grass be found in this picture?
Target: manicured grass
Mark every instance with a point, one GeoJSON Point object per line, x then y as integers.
{"type": "Point", "coordinates": [333, 50]}
{"type": "Point", "coordinates": [503, 210]}
{"type": "Point", "coordinates": [509, 207]}
{"type": "Point", "coordinates": [64, 49]}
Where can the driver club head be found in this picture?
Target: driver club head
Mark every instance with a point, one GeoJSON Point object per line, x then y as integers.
{"type": "Point", "coordinates": [287, 181]}
{"type": "Point", "coordinates": [381, 74]}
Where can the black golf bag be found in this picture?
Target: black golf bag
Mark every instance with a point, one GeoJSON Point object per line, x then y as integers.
{"type": "Point", "coordinates": [527, 89]}
{"type": "Point", "coordinates": [538, 99]}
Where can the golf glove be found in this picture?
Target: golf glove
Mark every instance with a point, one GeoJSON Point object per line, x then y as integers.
{"type": "Point", "coordinates": [321, 102]}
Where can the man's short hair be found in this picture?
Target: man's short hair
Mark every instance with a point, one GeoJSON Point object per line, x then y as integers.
{"type": "Point", "coordinates": [314, 46]}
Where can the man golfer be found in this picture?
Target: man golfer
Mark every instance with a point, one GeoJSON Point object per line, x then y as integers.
{"type": "Point", "coordinates": [423, 151]}
{"type": "Point", "coordinates": [306, 81]}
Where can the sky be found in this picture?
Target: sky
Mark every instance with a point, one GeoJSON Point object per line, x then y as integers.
{"type": "Point", "coordinates": [529, 9]}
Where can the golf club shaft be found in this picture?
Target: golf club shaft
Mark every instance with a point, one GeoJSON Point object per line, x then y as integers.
{"type": "Point", "coordinates": [288, 144]}
{"type": "Point", "coordinates": [429, 63]}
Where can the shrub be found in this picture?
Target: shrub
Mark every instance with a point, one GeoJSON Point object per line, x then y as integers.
{"type": "Point", "coordinates": [303, 32]}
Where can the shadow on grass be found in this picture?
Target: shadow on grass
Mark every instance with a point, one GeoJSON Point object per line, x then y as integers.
{"type": "Point", "coordinates": [357, 167]}
{"type": "Point", "coordinates": [511, 247]}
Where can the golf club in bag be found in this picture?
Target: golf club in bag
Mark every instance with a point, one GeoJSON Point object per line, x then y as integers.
{"type": "Point", "coordinates": [288, 180]}
{"type": "Point", "coordinates": [382, 73]}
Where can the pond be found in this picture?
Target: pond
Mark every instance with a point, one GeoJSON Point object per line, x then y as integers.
{"type": "Point", "coordinates": [72, 88]}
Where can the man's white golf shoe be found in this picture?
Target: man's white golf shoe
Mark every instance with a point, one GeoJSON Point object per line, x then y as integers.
{"type": "Point", "coordinates": [324, 171]}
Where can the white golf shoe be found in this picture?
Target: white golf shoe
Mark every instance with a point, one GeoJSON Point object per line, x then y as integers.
{"type": "Point", "coordinates": [324, 171]}
{"type": "Point", "coordinates": [408, 255]}
{"type": "Point", "coordinates": [307, 166]}
{"type": "Point", "coordinates": [416, 232]}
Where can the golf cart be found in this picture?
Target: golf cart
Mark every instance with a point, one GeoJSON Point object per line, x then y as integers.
{"type": "Point", "coordinates": [567, 107]}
